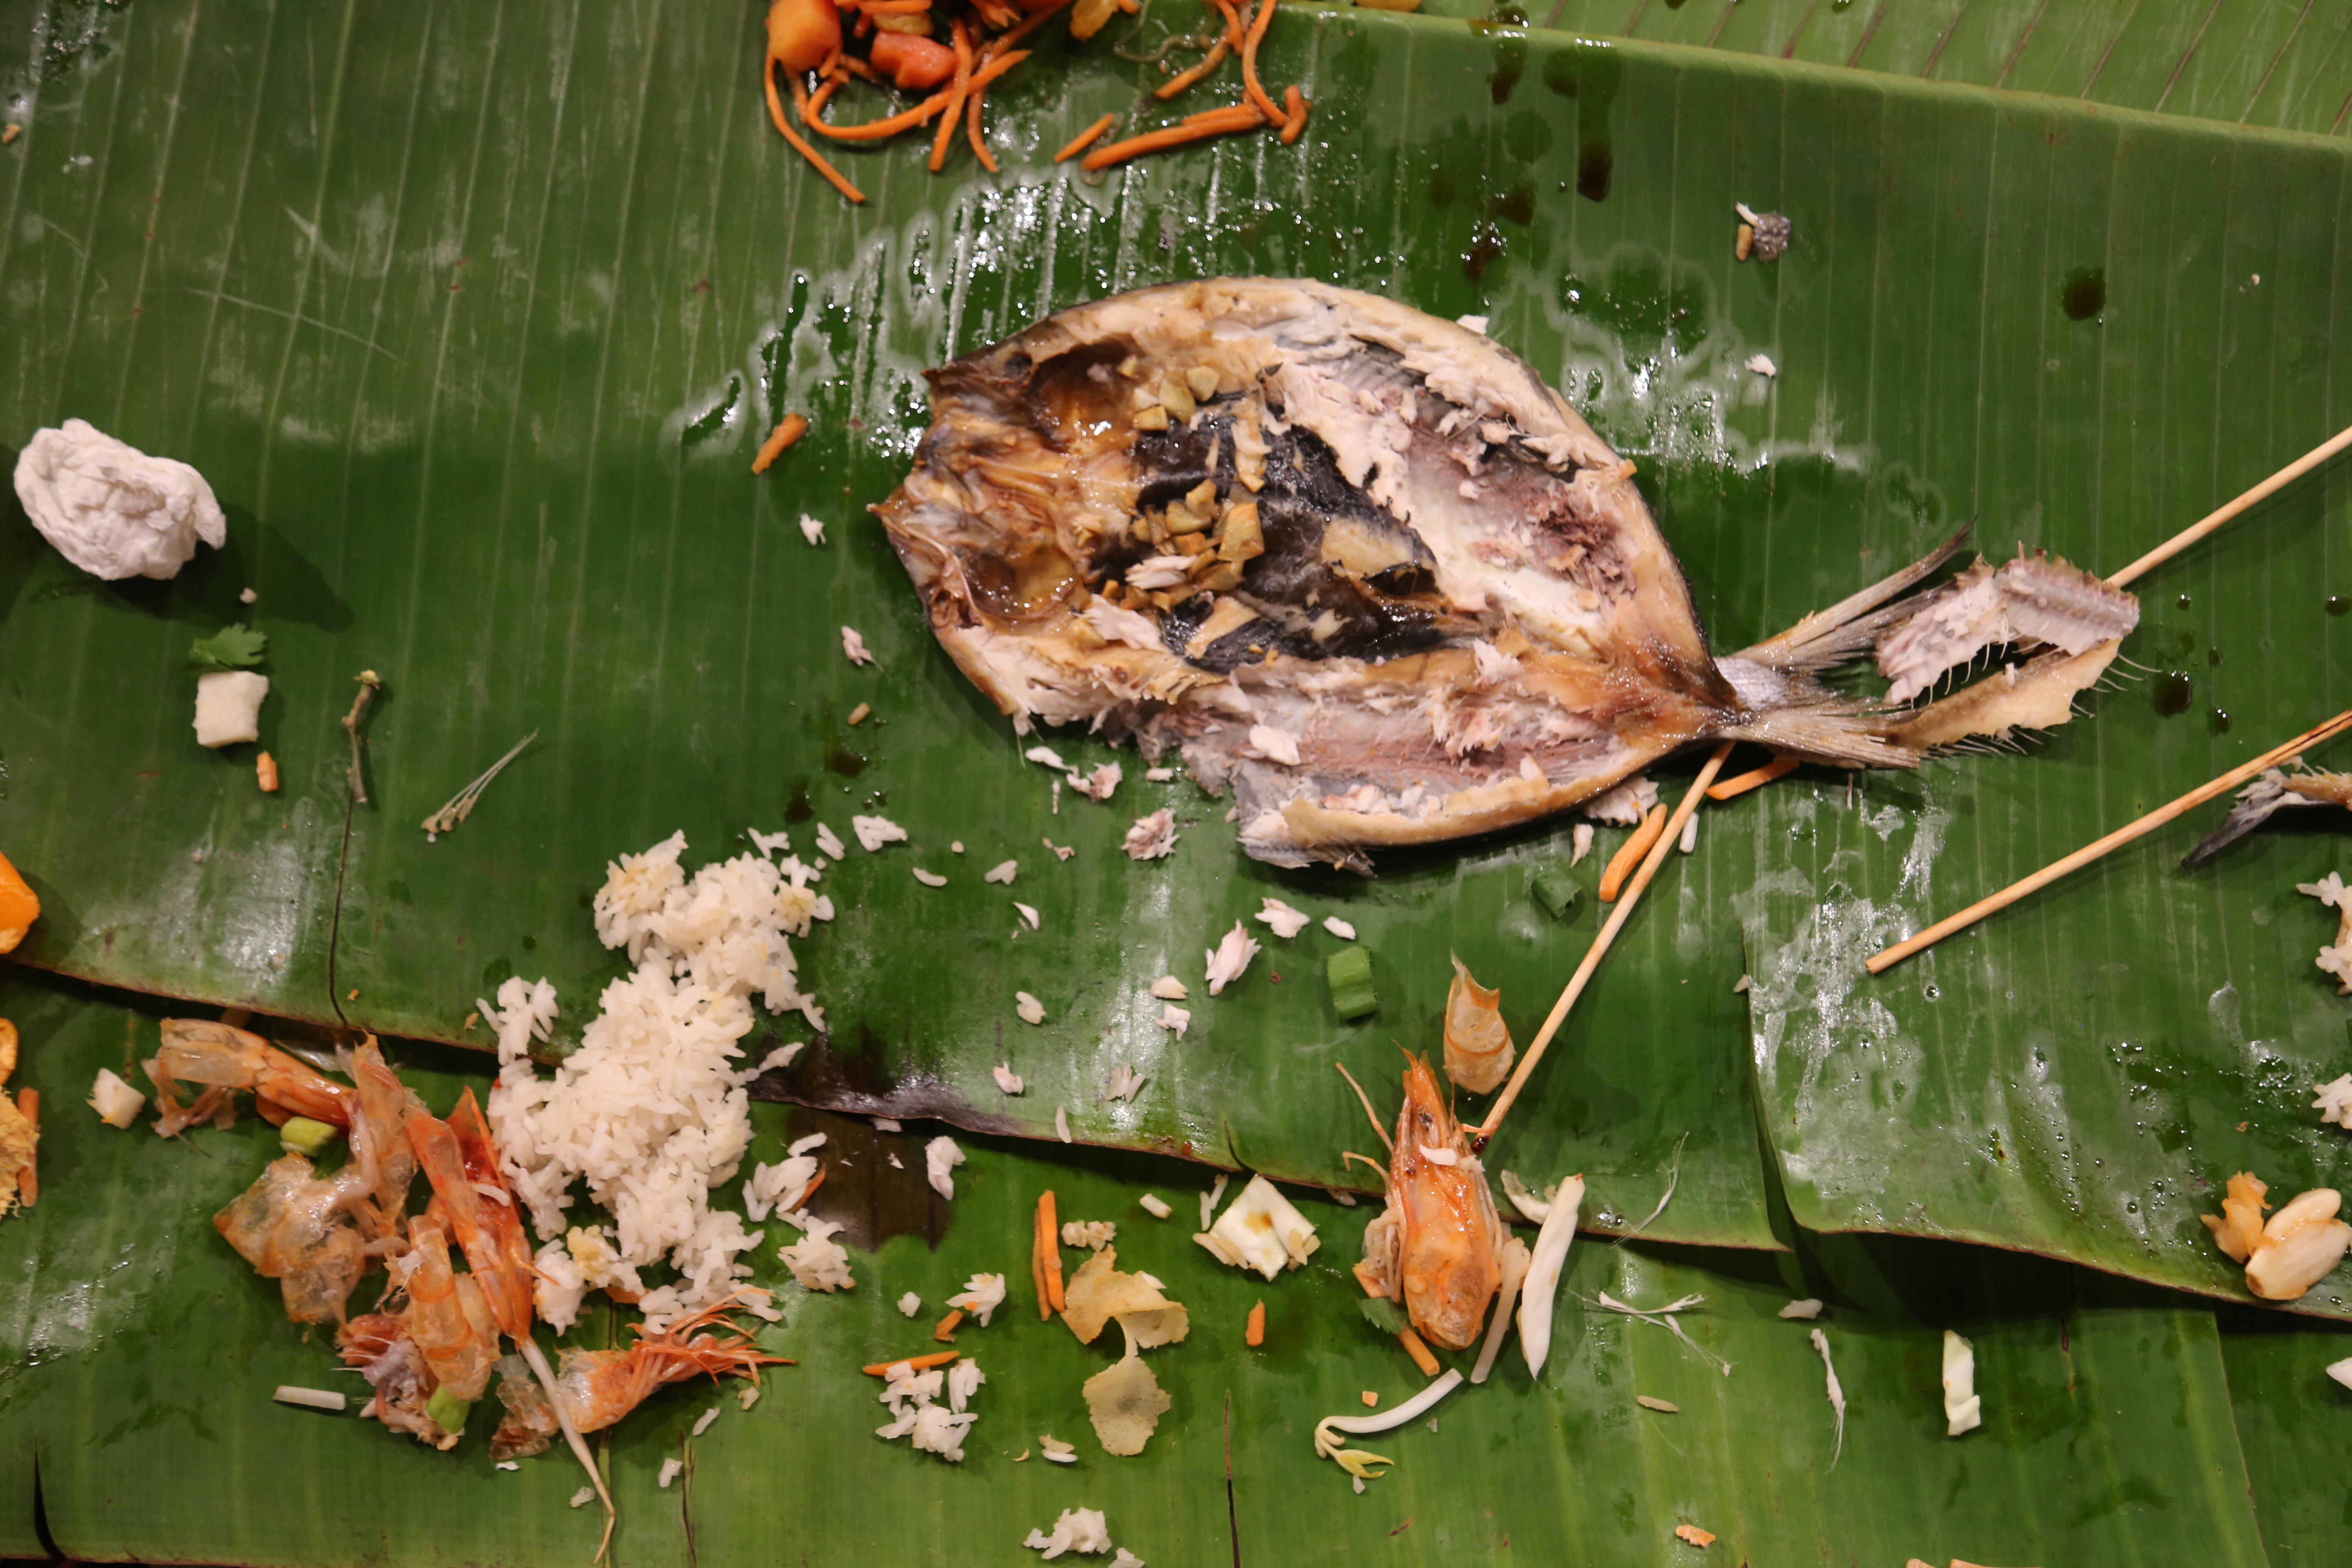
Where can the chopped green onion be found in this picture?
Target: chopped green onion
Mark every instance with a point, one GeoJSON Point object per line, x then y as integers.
{"type": "Point", "coordinates": [300, 1135]}
{"type": "Point", "coordinates": [1555, 891]}
{"type": "Point", "coordinates": [1349, 975]}
{"type": "Point", "coordinates": [448, 1411]}
{"type": "Point", "coordinates": [1382, 1314]}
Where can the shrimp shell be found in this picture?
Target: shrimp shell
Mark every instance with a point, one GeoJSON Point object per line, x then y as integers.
{"type": "Point", "coordinates": [1478, 1049]}
{"type": "Point", "coordinates": [1449, 1251]}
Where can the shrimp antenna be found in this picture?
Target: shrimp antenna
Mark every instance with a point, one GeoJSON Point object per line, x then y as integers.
{"type": "Point", "coordinates": [1377, 1168]}
{"type": "Point", "coordinates": [1369, 1113]}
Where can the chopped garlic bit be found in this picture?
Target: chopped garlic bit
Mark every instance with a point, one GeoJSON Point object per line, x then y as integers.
{"type": "Point", "coordinates": [1004, 871]}
{"type": "Point", "coordinates": [1261, 1229]}
{"type": "Point", "coordinates": [909, 1304]}
{"type": "Point", "coordinates": [1806, 1310]}
{"type": "Point", "coordinates": [1762, 365]}
{"type": "Point", "coordinates": [853, 646]}
{"type": "Point", "coordinates": [1006, 1078]}
{"type": "Point", "coordinates": [1341, 929]}
{"type": "Point", "coordinates": [117, 1103]}
{"type": "Point", "coordinates": [1151, 838]}
{"type": "Point", "coordinates": [669, 1472]}
{"type": "Point", "coordinates": [811, 530]}
{"type": "Point", "coordinates": [1286, 921]}
{"type": "Point", "coordinates": [1028, 1007]}
{"type": "Point", "coordinates": [1062, 1123]}
{"type": "Point", "coordinates": [941, 1157]}
{"type": "Point", "coordinates": [1232, 956]}
{"type": "Point", "coordinates": [1154, 1205]}
{"type": "Point", "coordinates": [1168, 988]}
{"type": "Point", "coordinates": [1963, 1410]}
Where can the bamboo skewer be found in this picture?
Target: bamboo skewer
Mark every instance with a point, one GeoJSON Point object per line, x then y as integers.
{"type": "Point", "coordinates": [2221, 514]}
{"type": "Point", "coordinates": [1879, 962]}
{"type": "Point", "coordinates": [1625, 903]}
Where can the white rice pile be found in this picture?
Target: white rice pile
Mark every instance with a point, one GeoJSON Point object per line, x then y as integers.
{"type": "Point", "coordinates": [652, 1111]}
{"type": "Point", "coordinates": [934, 1428]}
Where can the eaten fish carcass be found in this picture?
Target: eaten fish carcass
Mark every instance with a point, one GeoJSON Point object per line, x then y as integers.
{"type": "Point", "coordinates": [1438, 1245]}
{"type": "Point", "coordinates": [1360, 564]}
{"type": "Point", "coordinates": [2272, 791]}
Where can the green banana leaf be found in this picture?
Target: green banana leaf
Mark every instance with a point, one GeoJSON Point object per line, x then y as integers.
{"type": "Point", "coordinates": [2292, 1422]}
{"type": "Point", "coordinates": [142, 1354]}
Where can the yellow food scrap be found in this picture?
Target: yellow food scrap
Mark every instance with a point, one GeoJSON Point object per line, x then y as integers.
{"type": "Point", "coordinates": [2297, 1248]}
{"type": "Point", "coordinates": [18, 1135]}
{"type": "Point", "coordinates": [2239, 1227]}
{"type": "Point", "coordinates": [1125, 1403]}
{"type": "Point", "coordinates": [788, 430]}
{"type": "Point", "coordinates": [1098, 1292]}
{"type": "Point", "coordinates": [19, 907]}
{"type": "Point", "coordinates": [1695, 1536]}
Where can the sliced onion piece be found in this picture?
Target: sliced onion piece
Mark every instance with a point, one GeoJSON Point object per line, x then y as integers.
{"type": "Point", "coordinates": [1516, 1258]}
{"type": "Point", "coordinates": [1542, 1286]}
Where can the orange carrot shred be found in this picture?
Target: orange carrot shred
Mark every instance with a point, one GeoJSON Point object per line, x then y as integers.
{"type": "Point", "coordinates": [1622, 864]}
{"type": "Point", "coordinates": [1296, 101]}
{"type": "Point", "coordinates": [787, 431]}
{"type": "Point", "coordinates": [1255, 1333]}
{"type": "Point", "coordinates": [919, 1362]}
{"type": "Point", "coordinates": [29, 1180]}
{"type": "Point", "coordinates": [1265, 105]}
{"type": "Point", "coordinates": [800, 144]}
{"type": "Point", "coordinates": [957, 90]}
{"type": "Point", "coordinates": [872, 130]}
{"type": "Point", "coordinates": [813, 1186]}
{"type": "Point", "coordinates": [946, 1330]}
{"type": "Point", "coordinates": [1754, 778]}
{"type": "Point", "coordinates": [1232, 24]}
{"type": "Point", "coordinates": [1419, 1351]}
{"type": "Point", "coordinates": [1221, 123]}
{"type": "Point", "coordinates": [1047, 1242]}
{"type": "Point", "coordinates": [972, 129]}
{"type": "Point", "coordinates": [1244, 112]}
{"type": "Point", "coordinates": [1182, 80]}
{"type": "Point", "coordinates": [1005, 41]}
{"type": "Point", "coordinates": [1086, 139]}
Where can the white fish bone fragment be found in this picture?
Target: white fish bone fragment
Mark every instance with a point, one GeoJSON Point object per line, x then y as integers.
{"type": "Point", "coordinates": [853, 645]}
{"type": "Point", "coordinates": [1003, 872]}
{"type": "Point", "coordinates": [1028, 1007]}
{"type": "Point", "coordinates": [1027, 912]}
{"type": "Point", "coordinates": [1006, 1078]}
{"type": "Point", "coordinates": [1285, 921]}
{"type": "Point", "coordinates": [1762, 365]}
{"type": "Point", "coordinates": [1344, 930]}
{"type": "Point", "coordinates": [1230, 957]}
{"type": "Point", "coordinates": [1168, 988]}
{"type": "Point", "coordinates": [811, 530]}
{"type": "Point", "coordinates": [1152, 835]}
{"type": "Point", "coordinates": [1171, 1017]}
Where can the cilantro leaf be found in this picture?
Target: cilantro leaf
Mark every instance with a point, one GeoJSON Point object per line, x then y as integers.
{"type": "Point", "coordinates": [1382, 1314]}
{"type": "Point", "coordinates": [237, 646]}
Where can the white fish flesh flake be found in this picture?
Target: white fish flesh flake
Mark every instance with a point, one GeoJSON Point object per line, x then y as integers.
{"type": "Point", "coordinates": [1274, 745]}
{"type": "Point", "coordinates": [2335, 959]}
{"type": "Point", "coordinates": [811, 530]}
{"type": "Point", "coordinates": [1046, 756]}
{"type": "Point", "coordinates": [1963, 1407]}
{"type": "Point", "coordinates": [1762, 365]}
{"type": "Point", "coordinates": [702, 1423]}
{"type": "Point", "coordinates": [1493, 665]}
{"type": "Point", "coordinates": [929, 879]}
{"type": "Point", "coordinates": [1232, 956]}
{"type": "Point", "coordinates": [829, 842]}
{"type": "Point", "coordinates": [1160, 776]}
{"type": "Point", "coordinates": [1440, 1156]}
{"type": "Point", "coordinates": [1211, 1198]}
{"type": "Point", "coordinates": [909, 1304]}
{"type": "Point", "coordinates": [1028, 1007]}
{"type": "Point", "coordinates": [873, 831]}
{"type": "Point", "coordinates": [1155, 1205]}
{"type": "Point", "coordinates": [1285, 922]}
{"type": "Point", "coordinates": [1027, 912]}
{"type": "Point", "coordinates": [1152, 835]}
{"type": "Point", "coordinates": [1002, 873]}
{"type": "Point", "coordinates": [1806, 1310]}
{"type": "Point", "coordinates": [941, 1157]}
{"type": "Point", "coordinates": [1168, 988]}
{"type": "Point", "coordinates": [1099, 784]}
{"type": "Point", "coordinates": [1344, 930]}
{"type": "Point", "coordinates": [1580, 842]}
{"type": "Point", "coordinates": [1837, 1394]}
{"type": "Point", "coordinates": [1159, 572]}
{"type": "Point", "coordinates": [853, 645]}
{"type": "Point", "coordinates": [1126, 1084]}
{"type": "Point", "coordinates": [1473, 323]}
{"type": "Point", "coordinates": [1061, 851]}
{"type": "Point", "coordinates": [1062, 1123]}
{"type": "Point", "coordinates": [2334, 1102]}
{"type": "Point", "coordinates": [584, 1496]}
{"type": "Point", "coordinates": [1171, 1017]}
{"type": "Point", "coordinates": [1006, 1078]}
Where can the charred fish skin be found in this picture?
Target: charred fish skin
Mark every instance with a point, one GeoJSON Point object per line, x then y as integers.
{"type": "Point", "coordinates": [1360, 564]}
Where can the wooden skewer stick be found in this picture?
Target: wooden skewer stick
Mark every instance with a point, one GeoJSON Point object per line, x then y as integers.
{"type": "Point", "coordinates": [1879, 962]}
{"type": "Point", "coordinates": [2220, 515]}
{"type": "Point", "coordinates": [1625, 903]}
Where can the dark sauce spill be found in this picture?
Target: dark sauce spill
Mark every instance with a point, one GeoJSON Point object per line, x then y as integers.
{"type": "Point", "coordinates": [2184, 601]}
{"type": "Point", "coordinates": [1487, 247]}
{"type": "Point", "coordinates": [2214, 657]}
{"type": "Point", "coordinates": [2337, 603]}
{"type": "Point", "coordinates": [2218, 721]}
{"type": "Point", "coordinates": [848, 764]}
{"type": "Point", "coordinates": [1594, 163]}
{"type": "Point", "coordinates": [2173, 691]}
{"type": "Point", "coordinates": [800, 808]}
{"type": "Point", "coordinates": [2085, 292]}
{"type": "Point", "coordinates": [1510, 65]}
{"type": "Point", "coordinates": [1591, 79]}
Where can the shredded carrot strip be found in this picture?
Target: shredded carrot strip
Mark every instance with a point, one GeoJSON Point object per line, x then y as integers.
{"type": "Point", "coordinates": [997, 68]}
{"type": "Point", "coordinates": [1296, 101]}
{"type": "Point", "coordinates": [957, 91]}
{"type": "Point", "coordinates": [814, 1186]}
{"type": "Point", "coordinates": [1046, 1240]}
{"type": "Point", "coordinates": [1232, 24]}
{"type": "Point", "coordinates": [1754, 778]}
{"type": "Point", "coordinates": [972, 129]}
{"type": "Point", "coordinates": [946, 1330]}
{"type": "Point", "coordinates": [1086, 139]}
{"type": "Point", "coordinates": [893, 7]}
{"type": "Point", "coordinates": [1005, 41]}
{"type": "Point", "coordinates": [872, 130]}
{"type": "Point", "coordinates": [1419, 1351]}
{"type": "Point", "coordinates": [919, 1362]}
{"type": "Point", "coordinates": [1182, 80]}
{"type": "Point", "coordinates": [29, 1180]}
{"type": "Point", "coordinates": [1255, 1333]}
{"type": "Point", "coordinates": [858, 68]}
{"type": "Point", "coordinates": [1622, 864]}
{"type": "Point", "coordinates": [800, 144]}
{"type": "Point", "coordinates": [821, 97]}
{"type": "Point", "coordinates": [1246, 112]}
{"type": "Point", "coordinates": [1265, 105]}
{"type": "Point", "coordinates": [1244, 118]}
{"type": "Point", "coordinates": [1037, 1271]}
{"type": "Point", "coordinates": [787, 431]}
{"type": "Point", "coordinates": [831, 62]}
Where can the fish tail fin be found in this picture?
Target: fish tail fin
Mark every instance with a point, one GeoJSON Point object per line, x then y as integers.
{"type": "Point", "coordinates": [1830, 729]}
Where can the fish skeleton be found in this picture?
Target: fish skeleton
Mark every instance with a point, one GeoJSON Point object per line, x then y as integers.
{"type": "Point", "coordinates": [1359, 564]}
